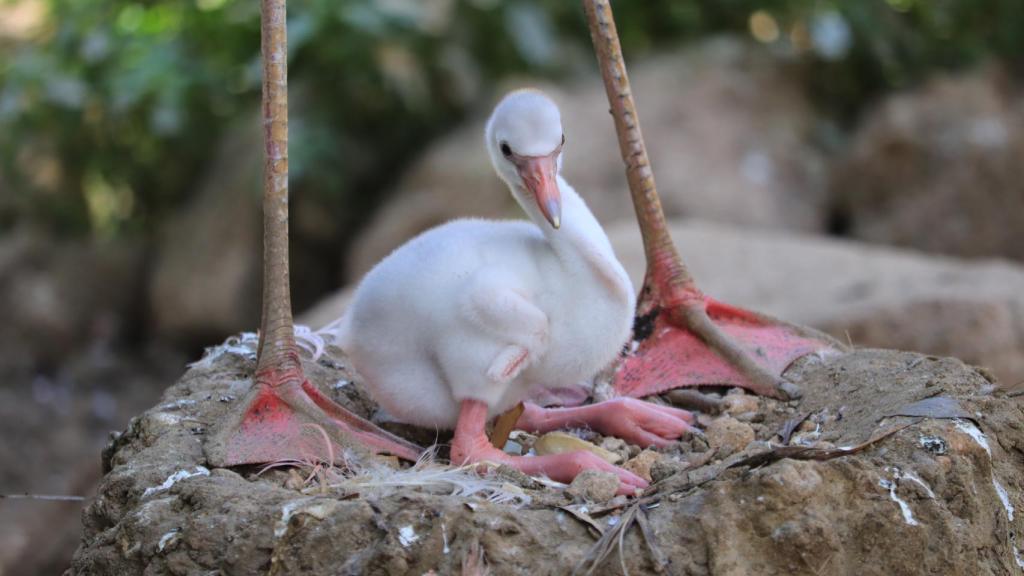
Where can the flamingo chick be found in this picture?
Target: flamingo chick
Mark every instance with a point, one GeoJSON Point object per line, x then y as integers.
{"type": "Point", "coordinates": [468, 319]}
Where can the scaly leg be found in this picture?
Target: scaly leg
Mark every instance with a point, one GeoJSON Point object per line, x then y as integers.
{"type": "Point", "coordinates": [283, 414]}
{"type": "Point", "coordinates": [684, 338]}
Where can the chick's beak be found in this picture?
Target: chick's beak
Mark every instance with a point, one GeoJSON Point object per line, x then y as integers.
{"type": "Point", "coordinates": [539, 176]}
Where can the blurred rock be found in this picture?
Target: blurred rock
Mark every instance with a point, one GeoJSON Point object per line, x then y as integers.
{"type": "Point", "coordinates": [206, 273]}
{"type": "Point", "coordinates": [63, 297]}
{"type": "Point", "coordinates": [940, 169]}
{"type": "Point", "coordinates": [872, 296]}
{"type": "Point", "coordinates": [727, 130]}
{"type": "Point", "coordinates": [56, 424]}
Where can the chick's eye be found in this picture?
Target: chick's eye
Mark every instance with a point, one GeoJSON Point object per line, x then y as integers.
{"type": "Point", "coordinates": [506, 149]}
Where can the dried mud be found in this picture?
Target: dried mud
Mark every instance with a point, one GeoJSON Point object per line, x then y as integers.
{"type": "Point", "coordinates": [938, 496]}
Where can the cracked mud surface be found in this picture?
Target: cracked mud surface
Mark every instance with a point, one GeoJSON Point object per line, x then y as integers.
{"type": "Point", "coordinates": [938, 496]}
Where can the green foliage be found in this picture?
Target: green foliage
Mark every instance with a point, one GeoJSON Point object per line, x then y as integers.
{"type": "Point", "coordinates": [109, 115]}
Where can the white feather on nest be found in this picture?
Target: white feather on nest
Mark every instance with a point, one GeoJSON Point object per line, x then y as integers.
{"type": "Point", "coordinates": [431, 477]}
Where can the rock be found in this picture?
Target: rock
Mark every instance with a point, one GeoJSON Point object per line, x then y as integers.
{"type": "Point", "coordinates": [205, 280]}
{"type": "Point", "coordinates": [728, 435]}
{"type": "Point", "coordinates": [58, 422]}
{"type": "Point", "coordinates": [872, 296]}
{"type": "Point", "coordinates": [727, 129]}
{"type": "Point", "coordinates": [641, 463]}
{"type": "Point", "coordinates": [873, 510]}
{"type": "Point", "coordinates": [64, 297]}
{"type": "Point", "coordinates": [71, 307]}
{"type": "Point", "coordinates": [808, 425]}
{"type": "Point", "coordinates": [939, 169]}
{"type": "Point", "coordinates": [736, 404]}
{"type": "Point", "coordinates": [328, 309]}
{"type": "Point", "coordinates": [594, 486]}
{"type": "Point", "coordinates": [617, 446]}
{"type": "Point", "coordinates": [665, 467]}
{"type": "Point", "coordinates": [206, 275]}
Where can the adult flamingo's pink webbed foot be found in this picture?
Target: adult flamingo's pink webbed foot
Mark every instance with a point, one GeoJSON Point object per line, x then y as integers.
{"type": "Point", "coordinates": [285, 418]}
{"type": "Point", "coordinates": [470, 445]}
{"type": "Point", "coordinates": [635, 421]}
{"type": "Point", "coordinates": [684, 338]}
{"type": "Point", "coordinates": [695, 340]}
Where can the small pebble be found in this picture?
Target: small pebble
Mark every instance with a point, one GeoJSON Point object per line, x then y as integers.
{"type": "Point", "coordinates": [616, 446]}
{"type": "Point", "coordinates": [808, 425]}
{"type": "Point", "coordinates": [641, 464]}
{"type": "Point", "coordinates": [294, 481]}
{"type": "Point", "coordinates": [665, 467]}
{"type": "Point", "coordinates": [750, 417]}
{"type": "Point", "coordinates": [593, 486]}
{"type": "Point", "coordinates": [734, 404]}
{"type": "Point", "coordinates": [728, 435]}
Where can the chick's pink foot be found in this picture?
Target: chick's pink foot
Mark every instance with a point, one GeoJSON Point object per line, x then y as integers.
{"type": "Point", "coordinates": [635, 421]}
{"type": "Point", "coordinates": [470, 445]}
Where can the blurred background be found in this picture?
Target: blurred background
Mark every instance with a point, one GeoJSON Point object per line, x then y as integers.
{"type": "Point", "coordinates": [858, 166]}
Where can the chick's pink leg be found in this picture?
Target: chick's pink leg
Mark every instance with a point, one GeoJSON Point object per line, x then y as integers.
{"type": "Point", "coordinates": [635, 421]}
{"type": "Point", "coordinates": [471, 445]}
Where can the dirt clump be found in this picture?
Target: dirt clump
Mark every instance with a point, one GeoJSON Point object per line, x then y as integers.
{"type": "Point", "coordinates": [641, 463]}
{"type": "Point", "coordinates": [593, 486]}
{"type": "Point", "coordinates": [910, 495]}
{"type": "Point", "coordinates": [728, 435]}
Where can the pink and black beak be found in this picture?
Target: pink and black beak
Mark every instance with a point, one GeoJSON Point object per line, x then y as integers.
{"type": "Point", "coordinates": [539, 174]}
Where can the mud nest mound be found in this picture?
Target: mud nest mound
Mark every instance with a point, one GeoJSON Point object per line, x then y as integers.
{"type": "Point", "coordinates": [891, 463]}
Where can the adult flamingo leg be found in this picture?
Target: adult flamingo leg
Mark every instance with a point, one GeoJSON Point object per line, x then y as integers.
{"type": "Point", "coordinates": [704, 342]}
{"type": "Point", "coordinates": [684, 338]}
{"type": "Point", "coordinates": [284, 417]}
{"type": "Point", "coordinates": [470, 445]}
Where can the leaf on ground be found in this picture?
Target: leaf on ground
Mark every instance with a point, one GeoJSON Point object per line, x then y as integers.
{"type": "Point", "coordinates": [790, 426]}
{"type": "Point", "coordinates": [581, 513]}
{"type": "Point", "coordinates": [934, 407]}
